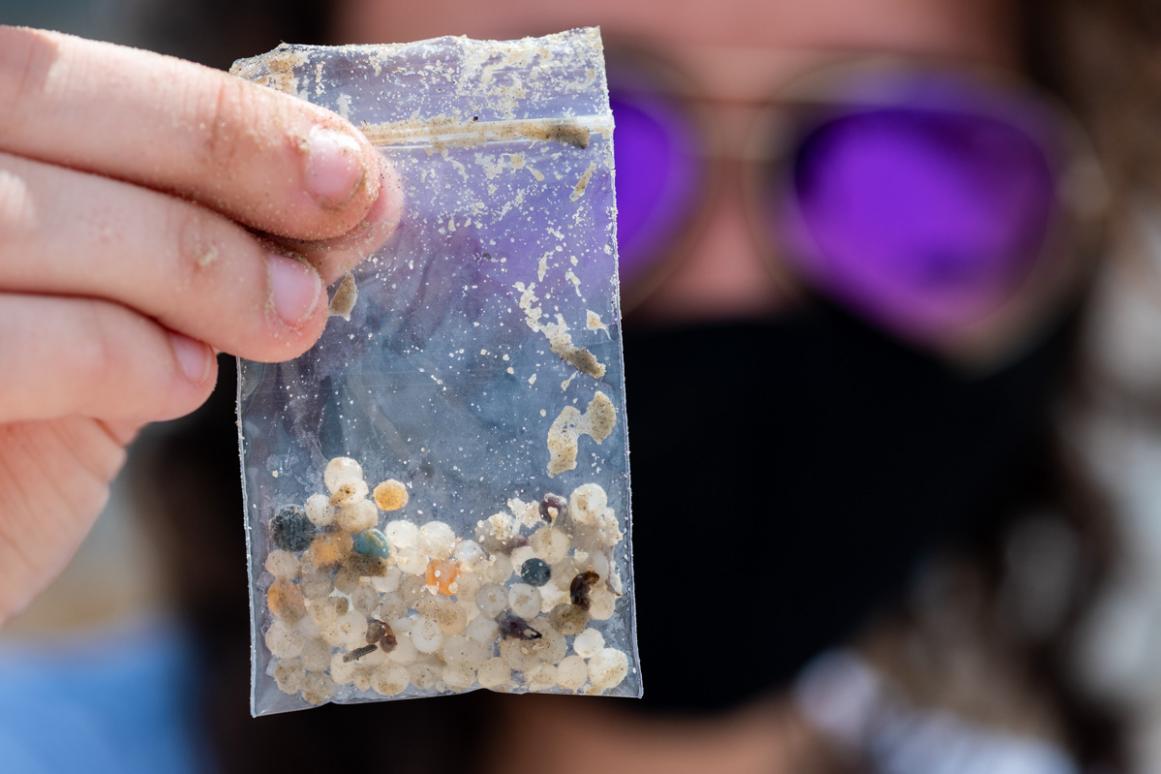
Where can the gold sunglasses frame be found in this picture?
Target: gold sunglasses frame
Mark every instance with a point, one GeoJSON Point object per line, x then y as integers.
{"type": "Point", "coordinates": [1078, 231]}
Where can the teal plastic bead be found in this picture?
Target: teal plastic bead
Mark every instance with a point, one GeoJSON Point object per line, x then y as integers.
{"type": "Point", "coordinates": [371, 542]}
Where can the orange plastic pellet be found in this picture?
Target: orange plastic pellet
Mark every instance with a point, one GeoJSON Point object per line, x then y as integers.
{"type": "Point", "coordinates": [285, 600]}
{"type": "Point", "coordinates": [330, 548]}
{"type": "Point", "coordinates": [390, 495]}
{"type": "Point", "coordinates": [441, 574]}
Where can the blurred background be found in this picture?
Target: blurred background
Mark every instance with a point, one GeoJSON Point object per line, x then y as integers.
{"type": "Point", "coordinates": [1026, 639]}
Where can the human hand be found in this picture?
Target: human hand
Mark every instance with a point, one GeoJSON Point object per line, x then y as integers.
{"type": "Point", "coordinates": [152, 212]}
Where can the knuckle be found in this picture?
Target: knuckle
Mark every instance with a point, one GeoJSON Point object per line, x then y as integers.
{"type": "Point", "coordinates": [17, 212]}
{"type": "Point", "coordinates": [221, 124]}
{"type": "Point", "coordinates": [118, 358]}
{"type": "Point", "coordinates": [198, 246]}
{"type": "Point", "coordinates": [26, 58]}
{"type": "Point", "coordinates": [96, 357]}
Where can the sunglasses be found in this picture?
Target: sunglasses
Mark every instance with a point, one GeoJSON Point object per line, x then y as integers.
{"type": "Point", "coordinates": [949, 208]}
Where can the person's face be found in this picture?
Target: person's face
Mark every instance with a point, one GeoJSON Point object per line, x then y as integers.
{"type": "Point", "coordinates": [740, 51]}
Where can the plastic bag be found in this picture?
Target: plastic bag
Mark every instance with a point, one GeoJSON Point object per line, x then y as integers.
{"type": "Point", "coordinates": [437, 494]}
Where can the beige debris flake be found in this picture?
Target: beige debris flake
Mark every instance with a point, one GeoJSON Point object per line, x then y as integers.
{"type": "Point", "coordinates": [597, 421]}
{"type": "Point", "coordinates": [570, 275]}
{"type": "Point", "coordinates": [583, 182]}
{"type": "Point", "coordinates": [559, 338]}
{"type": "Point", "coordinates": [279, 67]}
{"type": "Point", "coordinates": [343, 301]}
{"type": "Point", "coordinates": [593, 321]}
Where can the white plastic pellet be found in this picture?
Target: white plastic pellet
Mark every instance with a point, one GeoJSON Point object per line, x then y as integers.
{"type": "Point", "coordinates": [453, 618]}
{"type": "Point", "coordinates": [541, 677]}
{"type": "Point", "coordinates": [608, 529]}
{"type": "Point", "coordinates": [552, 595]}
{"type": "Point", "coordinates": [571, 673]}
{"type": "Point", "coordinates": [386, 583]}
{"type": "Point", "coordinates": [390, 679]}
{"type": "Point", "coordinates": [358, 516]}
{"type": "Point", "coordinates": [404, 651]}
{"type": "Point", "coordinates": [518, 655]}
{"type": "Point", "coordinates": [426, 635]}
{"type": "Point", "coordinates": [324, 612]}
{"type": "Point", "coordinates": [588, 643]}
{"type": "Point", "coordinates": [437, 539]}
{"type": "Point", "coordinates": [524, 600]}
{"type": "Point", "coordinates": [282, 641]}
{"type": "Point", "coordinates": [599, 563]}
{"type": "Point", "coordinates": [349, 631]}
{"type": "Point", "coordinates": [401, 535]}
{"type": "Point", "coordinates": [607, 668]}
{"type": "Point", "coordinates": [288, 676]}
{"type": "Point", "coordinates": [501, 569]}
{"type": "Point", "coordinates": [563, 572]}
{"type": "Point", "coordinates": [282, 564]}
{"type": "Point", "coordinates": [492, 600]}
{"type": "Point", "coordinates": [468, 605]}
{"type": "Point", "coordinates": [411, 561]}
{"type": "Point", "coordinates": [461, 649]}
{"type": "Point", "coordinates": [483, 630]}
{"type": "Point", "coordinates": [403, 624]}
{"type": "Point", "coordinates": [470, 556]}
{"type": "Point", "coordinates": [550, 544]}
{"type": "Point", "coordinates": [341, 470]}
{"type": "Point", "coordinates": [319, 510]}
{"type": "Point", "coordinates": [459, 677]}
{"type": "Point", "coordinates": [364, 599]}
{"type": "Point", "coordinates": [317, 687]}
{"type": "Point", "coordinates": [601, 604]}
{"type": "Point", "coordinates": [307, 627]}
{"type": "Point", "coordinates": [551, 646]}
{"type": "Point", "coordinates": [586, 503]}
{"type": "Point", "coordinates": [343, 672]}
{"type": "Point", "coordinates": [349, 492]}
{"type": "Point", "coordinates": [391, 606]}
{"type": "Point", "coordinates": [465, 587]}
{"type": "Point", "coordinates": [521, 555]}
{"type": "Point", "coordinates": [450, 617]}
{"type": "Point", "coordinates": [493, 673]}
{"type": "Point", "coordinates": [426, 676]}
{"type": "Point", "coordinates": [374, 658]}
{"type": "Point", "coordinates": [316, 655]}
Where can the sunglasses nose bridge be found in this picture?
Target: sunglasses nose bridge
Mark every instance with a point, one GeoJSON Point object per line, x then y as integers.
{"type": "Point", "coordinates": [748, 133]}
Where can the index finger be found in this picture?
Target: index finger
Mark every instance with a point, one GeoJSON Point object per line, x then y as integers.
{"type": "Point", "coordinates": [265, 159]}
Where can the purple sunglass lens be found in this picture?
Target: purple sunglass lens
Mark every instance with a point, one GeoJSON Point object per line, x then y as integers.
{"type": "Point", "coordinates": [923, 216]}
{"type": "Point", "coordinates": [655, 151]}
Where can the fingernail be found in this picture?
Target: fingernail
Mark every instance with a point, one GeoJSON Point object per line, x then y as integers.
{"type": "Point", "coordinates": [384, 213]}
{"type": "Point", "coordinates": [193, 358]}
{"type": "Point", "coordinates": [334, 166]}
{"type": "Point", "coordinates": [383, 217]}
{"type": "Point", "coordinates": [295, 288]}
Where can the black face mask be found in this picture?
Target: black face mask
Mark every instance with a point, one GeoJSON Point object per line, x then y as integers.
{"type": "Point", "coordinates": [787, 477]}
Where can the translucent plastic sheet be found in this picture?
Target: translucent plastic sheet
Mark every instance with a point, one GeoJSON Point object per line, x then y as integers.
{"type": "Point", "coordinates": [437, 494]}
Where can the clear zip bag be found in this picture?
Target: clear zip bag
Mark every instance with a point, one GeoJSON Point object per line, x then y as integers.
{"type": "Point", "coordinates": [437, 493]}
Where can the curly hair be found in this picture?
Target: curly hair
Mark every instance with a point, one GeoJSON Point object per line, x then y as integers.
{"type": "Point", "coordinates": [1103, 60]}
